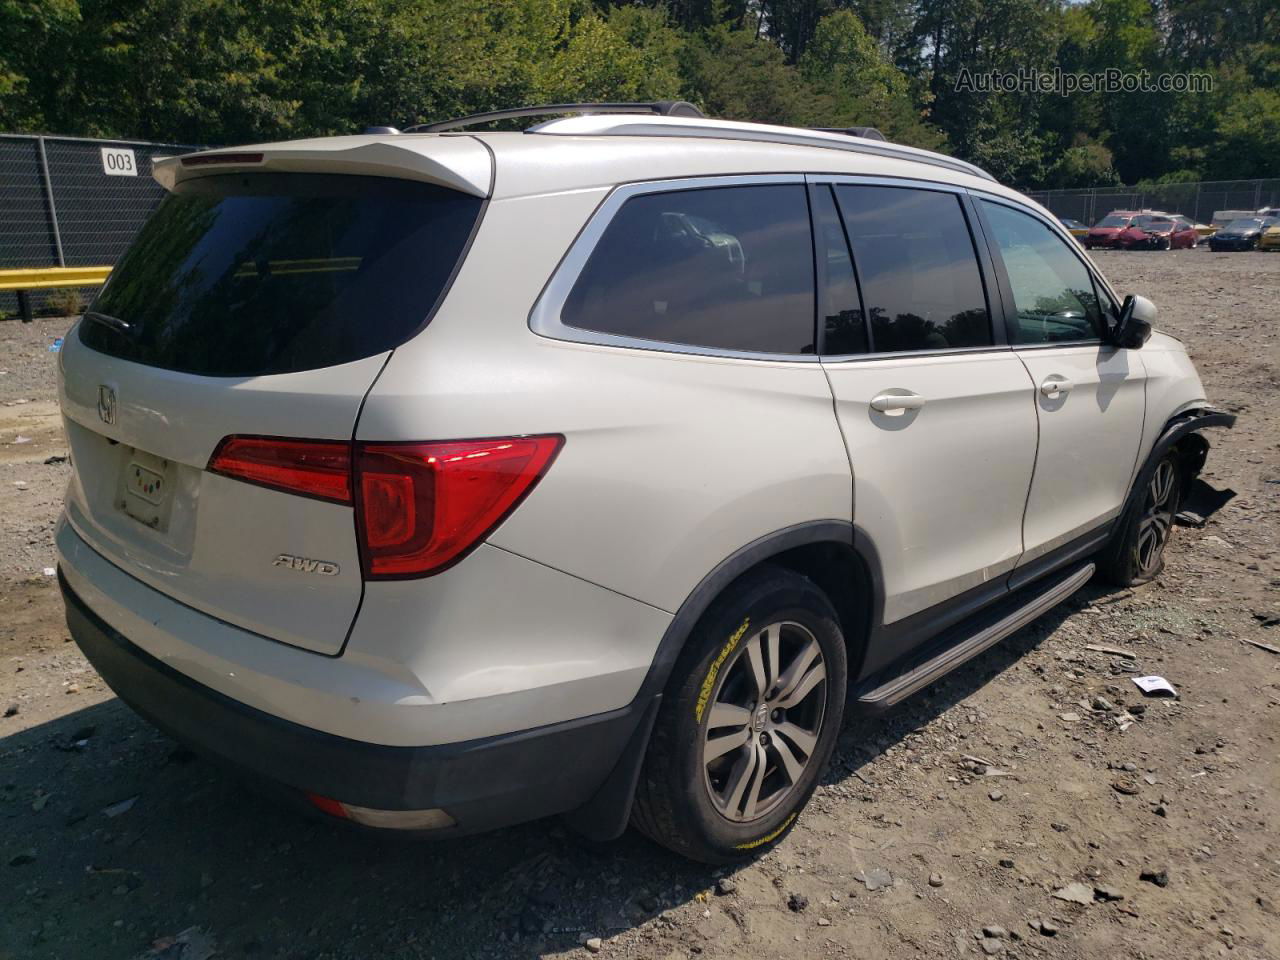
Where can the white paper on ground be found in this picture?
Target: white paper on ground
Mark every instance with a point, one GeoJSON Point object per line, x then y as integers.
{"type": "Point", "coordinates": [1152, 686]}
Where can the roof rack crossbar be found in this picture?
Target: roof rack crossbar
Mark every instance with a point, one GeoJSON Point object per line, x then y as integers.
{"type": "Point", "coordinates": [662, 108]}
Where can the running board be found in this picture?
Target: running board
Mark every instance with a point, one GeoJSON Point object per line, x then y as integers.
{"type": "Point", "coordinates": [897, 689]}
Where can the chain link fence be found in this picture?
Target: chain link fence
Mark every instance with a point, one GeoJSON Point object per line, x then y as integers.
{"type": "Point", "coordinates": [1198, 201]}
{"type": "Point", "coordinates": [69, 202]}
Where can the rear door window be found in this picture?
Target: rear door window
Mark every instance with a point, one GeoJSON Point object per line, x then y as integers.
{"type": "Point", "coordinates": [725, 268]}
{"type": "Point", "coordinates": [916, 263]}
{"type": "Point", "coordinates": [254, 274]}
{"type": "Point", "coordinates": [1053, 293]}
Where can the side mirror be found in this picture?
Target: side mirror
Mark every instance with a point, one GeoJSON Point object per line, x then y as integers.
{"type": "Point", "coordinates": [1137, 316]}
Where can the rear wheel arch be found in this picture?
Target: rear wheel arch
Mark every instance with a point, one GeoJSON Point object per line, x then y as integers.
{"type": "Point", "coordinates": [838, 557]}
{"type": "Point", "coordinates": [824, 549]}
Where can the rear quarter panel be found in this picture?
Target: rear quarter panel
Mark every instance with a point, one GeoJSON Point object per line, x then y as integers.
{"type": "Point", "coordinates": [671, 462]}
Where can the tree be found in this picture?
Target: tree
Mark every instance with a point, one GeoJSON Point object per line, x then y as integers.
{"type": "Point", "coordinates": [1087, 164]}
{"type": "Point", "coordinates": [855, 85]}
{"type": "Point", "coordinates": [736, 75]}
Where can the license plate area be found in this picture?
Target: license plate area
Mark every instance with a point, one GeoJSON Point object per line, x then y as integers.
{"type": "Point", "coordinates": [145, 489]}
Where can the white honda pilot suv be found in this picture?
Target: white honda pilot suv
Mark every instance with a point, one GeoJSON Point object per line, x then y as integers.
{"type": "Point", "coordinates": [453, 478]}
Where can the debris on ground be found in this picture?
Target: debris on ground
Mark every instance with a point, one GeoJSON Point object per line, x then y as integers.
{"type": "Point", "coordinates": [1076, 892]}
{"type": "Point", "coordinates": [124, 806]}
{"type": "Point", "coordinates": [1155, 686]}
{"type": "Point", "coordinates": [191, 944]}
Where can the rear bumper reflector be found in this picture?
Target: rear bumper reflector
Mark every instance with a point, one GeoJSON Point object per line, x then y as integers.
{"type": "Point", "coordinates": [430, 819]}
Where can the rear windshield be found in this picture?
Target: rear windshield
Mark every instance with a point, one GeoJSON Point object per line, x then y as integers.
{"type": "Point", "coordinates": [254, 274]}
{"type": "Point", "coordinates": [1114, 221]}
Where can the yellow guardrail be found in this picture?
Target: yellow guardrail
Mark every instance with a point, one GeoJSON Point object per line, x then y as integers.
{"type": "Point", "coordinates": [26, 279]}
{"type": "Point", "coordinates": [50, 278]}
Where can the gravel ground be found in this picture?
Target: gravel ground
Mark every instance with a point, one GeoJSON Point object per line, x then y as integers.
{"type": "Point", "coordinates": [953, 828]}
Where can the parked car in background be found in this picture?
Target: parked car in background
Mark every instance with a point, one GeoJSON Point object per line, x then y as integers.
{"type": "Point", "coordinates": [455, 480]}
{"type": "Point", "coordinates": [1270, 239]}
{"type": "Point", "coordinates": [1222, 218]}
{"type": "Point", "coordinates": [1074, 227]}
{"type": "Point", "coordinates": [1106, 232]}
{"type": "Point", "coordinates": [1204, 231]}
{"type": "Point", "coordinates": [1156, 232]}
{"type": "Point", "coordinates": [1242, 234]}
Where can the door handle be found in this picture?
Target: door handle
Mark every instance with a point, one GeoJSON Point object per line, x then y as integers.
{"type": "Point", "coordinates": [886, 402]}
{"type": "Point", "coordinates": [1055, 385]}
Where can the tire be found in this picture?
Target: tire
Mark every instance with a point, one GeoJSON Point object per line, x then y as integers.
{"type": "Point", "coordinates": [720, 810]}
{"type": "Point", "coordinates": [1136, 555]}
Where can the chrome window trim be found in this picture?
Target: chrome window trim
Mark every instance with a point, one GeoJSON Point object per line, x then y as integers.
{"type": "Point", "coordinates": [865, 180]}
{"type": "Point", "coordinates": [904, 354]}
{"type": "Point", "coordinates": [545, 319]}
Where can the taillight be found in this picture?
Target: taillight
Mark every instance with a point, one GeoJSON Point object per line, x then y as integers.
{"type": "Point", "coordinates": [312, 468]}
{"type": "Point", "coordinates": [421, 507]}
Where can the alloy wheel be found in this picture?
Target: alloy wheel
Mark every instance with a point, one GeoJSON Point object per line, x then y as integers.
{"type": "Point", "coordinates": [1157, 517]}
{"type": "Point", "coordinates": [764, 721]}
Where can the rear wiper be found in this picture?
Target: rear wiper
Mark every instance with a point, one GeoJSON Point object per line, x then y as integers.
{"type": "Point", "coordinates": [122, 327]}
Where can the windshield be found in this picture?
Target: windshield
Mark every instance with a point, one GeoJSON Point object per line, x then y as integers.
{"type": "Point", "coordinates": [1241, 226]}
{"type": "Point", "coordinates": [1154, 223]}
{"type": "Point", "coordinates": [245, 275]}
{"type": "Point", "coordinates": [1113, 221]}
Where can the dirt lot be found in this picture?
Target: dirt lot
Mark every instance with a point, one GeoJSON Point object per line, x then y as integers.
{"type": "Point", "coordinates": [1168, 829]}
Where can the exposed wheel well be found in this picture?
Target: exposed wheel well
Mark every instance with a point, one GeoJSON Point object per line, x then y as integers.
{"type": "Point", "coordinates": [1193, 451]}
{"type": "Point", "coordinates": [841, 573]}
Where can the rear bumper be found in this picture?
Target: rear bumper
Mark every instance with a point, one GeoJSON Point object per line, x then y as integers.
{"type": "Point", "coordinates": [482, 784]}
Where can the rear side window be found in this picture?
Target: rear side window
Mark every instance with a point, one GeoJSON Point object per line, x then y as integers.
{"type": "Point", "coordinates": [259, 274]}
{"type": "Point", "coordinates": [728, 268]}
{"type": "Point", "coordinates": [921, 284]}
{"type": "Point", "coordinates": [1052, 291]}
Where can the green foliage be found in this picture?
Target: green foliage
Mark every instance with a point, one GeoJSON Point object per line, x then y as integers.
{"type": "Point", "coordinates": [736, 75]}
{"type": "Point", "coordinates": [238, 71]}
{"type": "Point", "coordinates": [1084, 165]}
{"type": "Point", "coordinates": [853, 84]}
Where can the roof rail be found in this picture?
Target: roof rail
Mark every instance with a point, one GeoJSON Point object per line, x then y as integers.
{"type": "Point", "coordinates": [870, 133]}
{"type": "Point", "coordinates": [662, 108]}
{"type": "Point", "coordinates": [679, 126]}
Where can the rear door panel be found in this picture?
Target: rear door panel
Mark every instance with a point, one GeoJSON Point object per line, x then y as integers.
{"type": "Point", "coordinates": [940, 490]}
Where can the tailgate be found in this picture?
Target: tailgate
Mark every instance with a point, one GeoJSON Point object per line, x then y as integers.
{"type": "Point", "coordinates": [140, 495]}
{"type": "Point", "coordinates": [256, 305]}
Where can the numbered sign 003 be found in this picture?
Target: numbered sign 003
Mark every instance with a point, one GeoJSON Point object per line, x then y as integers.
{"type": "Point", "coordinates": [119, 162]}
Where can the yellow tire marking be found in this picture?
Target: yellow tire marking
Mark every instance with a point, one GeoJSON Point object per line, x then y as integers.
{"type": "Point", "coordinates": [767, 837]}
{"type": "Point", "coordinates": [710, 681]}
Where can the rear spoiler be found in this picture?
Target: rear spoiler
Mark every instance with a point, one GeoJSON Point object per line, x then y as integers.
{"type": "Point", "coordinates": [458, 162]}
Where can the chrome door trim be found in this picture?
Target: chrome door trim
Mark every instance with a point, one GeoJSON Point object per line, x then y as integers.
{"type": "Point", "coordinates": [545, 317]}
{"type": "Point", "coordinates": [867, 180]}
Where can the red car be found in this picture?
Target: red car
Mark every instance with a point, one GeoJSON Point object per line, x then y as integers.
{"type": "Point", "coordinates": [1106, 232]}
{"type": "Point", "coordinates": [1154, 232]}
